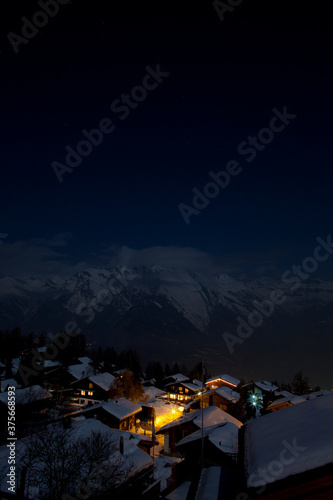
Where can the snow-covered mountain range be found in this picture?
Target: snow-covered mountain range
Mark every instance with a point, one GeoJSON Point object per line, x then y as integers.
{"type": "Point", "coordinates": [172, 314]}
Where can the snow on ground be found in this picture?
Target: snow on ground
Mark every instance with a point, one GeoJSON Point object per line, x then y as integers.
{"type": "Point", "coordinates": [290, 441]}
{"type": "Point", "coordinates": [165, 412]}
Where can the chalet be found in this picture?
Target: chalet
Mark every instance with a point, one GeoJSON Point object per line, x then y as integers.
{"type": "Point", "coordinates": [258, 396]}
{"type": "Point", "coordinates": [223, 397]}
{"type": "Point", "coordinates": [220, 446]}
{"type": "Point", "coordinates": [291, 400]}
{"type": "Point", "coordinates": [289, 454]}
{"type": "Point", "coordinates": [189, 423]}
{"type": "Point", "coordinates": [281, 403]}
{"type": "Point", "coordinates": [183, 391]}
{"type": "Point", "coordinates": [119, 413]}
{"type": "Point", "coordinates": [222, 381]}
{"type": "Point", "coordinates": [177, 377]}
{"type": "Point", "coordinates": [93, 389]}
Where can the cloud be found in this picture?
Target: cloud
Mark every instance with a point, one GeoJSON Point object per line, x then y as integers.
{"type": "Point", "coordinates": [37, 257]}
{"type": "Point", "coordinates": [44, 257]}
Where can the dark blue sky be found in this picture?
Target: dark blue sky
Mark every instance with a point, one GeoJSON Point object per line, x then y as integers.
{"type": "Point", "coordinates": [224, 80]}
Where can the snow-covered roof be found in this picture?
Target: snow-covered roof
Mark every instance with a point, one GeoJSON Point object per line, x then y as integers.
{"type": "Point", "coordinates": [118, 407]}
{"type": "Point", "coordinates": [48, 363]}
{"type": "Point", "coordinates": [293, 400]}
{"type": "Point", "coordinates": [285, 394]}
{"type": "Point", "coordinates": [209, 484]}
{"type": "Point", "coordinates": [27, 395]}
{"type": "Point", "coordinates": [317, 394]}
{"type": "Point", "coordinates": [224, 378]}
{"type": "Point", "coordinates": [212, 416]}
{"type": "Point", "coordinates": [80, 371]}
{"type": "Point", "coordinates": [263, 385]}
{"type": "Point", "coordinates": [179, 493]}
{"type": "Point", "coordinates": [85, 360]}
{"type": "Point", "coordinates": [194, 386]}
{"type": "Point", "coordinates": [227, 393]}
{"type": "Point", "coordinates": [103, 380]}
{"type": "Point", "coordinates": [152, 392]}
{"type": "Point", "coordinates": [2, 365]}
{"type": "Point", "coordinates": [299, 438]}
{"type": "Point", "coordinates": [223, 436]}
{"type": "Point", "coordinates": [178, 377]}
{"type": "Point", "coordinates": [9, 381]}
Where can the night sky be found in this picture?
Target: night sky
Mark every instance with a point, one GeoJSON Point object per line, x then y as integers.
{"type": "Point", "coordinates": [221, 80]}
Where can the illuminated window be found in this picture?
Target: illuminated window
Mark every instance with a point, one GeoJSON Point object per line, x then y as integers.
{"type": "Point", "coordinates": [91, 385]}
{"type": "Point", "coordinates": [180, 389]}
{"type": "Point", "coordinates": [83, 393]}
{"type": "Point", "coordinates": [90, 393]}
{"type": "Point", "coordinates": [186, 390]}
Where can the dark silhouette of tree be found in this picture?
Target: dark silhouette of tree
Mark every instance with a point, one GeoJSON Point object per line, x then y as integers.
{"type": "Point", "coordinates": [129, 387]}
{"type": "Point", "coordinates": [167, 370]}
{"type": "Point", "coordinates": [155, 370]}
{"type": "Point", "coordinates": [300, 384]}
{"type": "Point", "coordinates": [58, 463]}
{"type": "Point", "coordinates": [9, 368]}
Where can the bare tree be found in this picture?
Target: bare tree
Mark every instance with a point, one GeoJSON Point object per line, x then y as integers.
{"type": "Point", "coordinates": [129, 387]}
{"type": "Point", "coordinates": [53, 462]}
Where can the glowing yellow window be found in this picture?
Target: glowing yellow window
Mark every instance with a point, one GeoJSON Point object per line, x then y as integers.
{"type": "Point", "coordinates": [90, 385]}
{"type": "Point", "coordinates": [90, 393]}
{"type": "Point", "coordinates": [83, 393]}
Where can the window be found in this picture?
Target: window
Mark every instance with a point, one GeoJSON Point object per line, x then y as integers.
{"type": "Point", "coordinates": [186, 390]}
{"type": "Point", "coordinates": [83, 393]}
{"type": "Point", "coordinates": [90, 393]}
{"type": "Point", "coordinates": [90, 385]}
